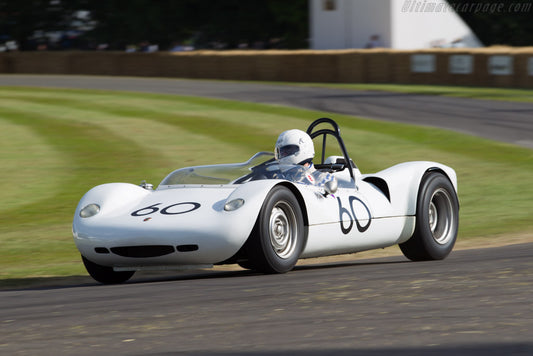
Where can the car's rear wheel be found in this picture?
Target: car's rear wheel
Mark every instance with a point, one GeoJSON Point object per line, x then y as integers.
{"type": "Point", "coordinates": [437, 220]}
{"type": "Point", "coordinates": [104, 274]}
{"type": "Point", "coordinates": [278, 237]}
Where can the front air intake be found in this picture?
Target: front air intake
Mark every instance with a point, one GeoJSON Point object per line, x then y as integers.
{"type": "Point", "coordinates": [187, 248]}
{"type": "Point", "coordinates": [143, 251]}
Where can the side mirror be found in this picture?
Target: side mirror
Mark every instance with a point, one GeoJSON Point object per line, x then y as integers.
{"type": "Point", "coordinates": [146, 186]}
{"type": "Point", "coordinates": [331, 187]}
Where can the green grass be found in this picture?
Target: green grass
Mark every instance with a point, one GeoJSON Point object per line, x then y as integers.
{"type": "Point", "coordinates": [57, 144]}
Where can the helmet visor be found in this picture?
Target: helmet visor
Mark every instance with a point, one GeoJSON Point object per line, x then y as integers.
{"type": "Point", "coordinates": [287, 150]}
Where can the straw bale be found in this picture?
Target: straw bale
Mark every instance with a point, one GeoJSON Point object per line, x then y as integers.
{"type": "Point", "coordinates": [5, 63]}
{"type": "Point", "coordinates": [40, 62]}
{"type": "Point", "coordinates": [346, 66]}
{"type": "Point", "coordinates": [350, 67]}
{"type": "Point", "coordinates": [268, 67]}
{"type": "Point", "coordinates": [92, 63]}
{"type": "Point", "coordinates": [321, 68]}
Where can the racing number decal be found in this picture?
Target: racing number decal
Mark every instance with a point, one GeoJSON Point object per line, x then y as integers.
{"type": "Point", "coordinates": [174, 209]}
{"type": "Point", "coordinates": [352, 216]}
{"type": "Point", "coordinates": [150, 210]}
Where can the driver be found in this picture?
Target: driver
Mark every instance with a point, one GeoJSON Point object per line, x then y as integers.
{"type": "Point", "coordinates": [295, 147]}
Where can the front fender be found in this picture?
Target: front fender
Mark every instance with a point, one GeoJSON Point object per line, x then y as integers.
{"type": "Point", "coordinates": [192, 215]}
{"type": "Point", "coordinates": [254, 194]}
{"type": "Point", "coordinates": [112, 196]}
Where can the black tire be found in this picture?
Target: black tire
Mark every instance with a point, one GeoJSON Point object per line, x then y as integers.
{"type": "Point", "coordinates": [278, 237]}
{"type": "Point", "coordinates": [104, 274]}
{"type": "Point", "coordinates": [437, 220]}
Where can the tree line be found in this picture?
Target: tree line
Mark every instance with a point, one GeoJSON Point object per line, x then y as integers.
{"type": "Point", "coordinates": [218, 24]}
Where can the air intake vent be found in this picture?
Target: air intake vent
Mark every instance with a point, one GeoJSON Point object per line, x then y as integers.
{"type": "Point", "coordinates": [143, 251]}
{"type": "Point", "coordinates": [187, 248]}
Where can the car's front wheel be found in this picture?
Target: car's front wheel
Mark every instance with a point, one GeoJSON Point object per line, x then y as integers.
{"type": "Point", "coordinates": [437, 220]}
{"type": "Point", "coordinates": [104, 274]}
{"type": "Point", "coordinates": [278, 237]}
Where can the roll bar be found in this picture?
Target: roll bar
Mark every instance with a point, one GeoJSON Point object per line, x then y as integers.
{"type": "Point", "coordinates": [335, 132]}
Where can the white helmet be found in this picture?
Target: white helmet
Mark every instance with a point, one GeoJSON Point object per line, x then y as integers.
{"type": "Point", "coordinates": [294, 147]}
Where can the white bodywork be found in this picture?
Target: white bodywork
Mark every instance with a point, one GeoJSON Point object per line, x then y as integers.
{"type": "Point", "coordinates": [190, 219]}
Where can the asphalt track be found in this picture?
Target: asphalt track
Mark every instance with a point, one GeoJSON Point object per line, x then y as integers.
{"type": "Point", "coordinates": [475, 302]}
{"type": "Point", "coordinates": [510, 122]}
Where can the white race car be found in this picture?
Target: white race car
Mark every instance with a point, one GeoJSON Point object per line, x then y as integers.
{"type": "Point", "coordinates": [251, 214]}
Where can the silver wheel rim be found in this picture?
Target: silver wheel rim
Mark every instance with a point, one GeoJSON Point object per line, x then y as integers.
{"type": "Point", "coordinates": [441, 218]}
{"type": "Point", "coordinates": [283, 229]}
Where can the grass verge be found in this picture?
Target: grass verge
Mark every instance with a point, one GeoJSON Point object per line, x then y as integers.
{"type": "Point", "coordinates": [57, 144]}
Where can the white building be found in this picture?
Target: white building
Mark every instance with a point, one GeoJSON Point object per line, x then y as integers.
{"type": "Point", "coordinates": [398, 24]}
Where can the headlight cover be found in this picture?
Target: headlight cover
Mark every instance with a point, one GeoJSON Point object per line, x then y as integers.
{"type": "Point", "coordinates": [89, 210]}
{"type": "Point", "coordinates": [234, 204]}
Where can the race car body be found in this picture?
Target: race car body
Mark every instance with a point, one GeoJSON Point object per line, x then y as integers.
{"type": "Point", "coordinates": [255, 215]}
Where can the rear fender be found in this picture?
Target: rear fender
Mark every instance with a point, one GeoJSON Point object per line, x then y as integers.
{"type": "Point", "coordinates": [404, 181]}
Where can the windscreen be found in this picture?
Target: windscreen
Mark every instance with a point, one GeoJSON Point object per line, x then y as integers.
{"type": "Point", "coordinates": [220, 173]}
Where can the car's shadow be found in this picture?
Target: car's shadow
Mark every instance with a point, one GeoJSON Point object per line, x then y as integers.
{"type": "Point", "coordinates": [212, 274]}
{"type": "Point", "coordinates": [46, 283]}
{"type": "Point", "coordinates": [380, 261]}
